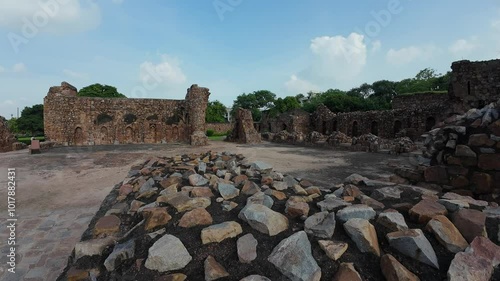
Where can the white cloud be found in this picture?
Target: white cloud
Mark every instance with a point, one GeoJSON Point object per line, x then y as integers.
{"type": "Point", "coordinates": [298, 86]}
{"type": "Point", "coordinates": [463, 46]}
{"type": "Point", "coordinates": [338, 57]}
{"type": "Point", "coordinates": [60, 17]}
{"type": "Point", "coordinates": [75, 75]}
{"type": "Point", "coordinates": [166, 72]}
{"type": "Point", "coordinates": [19, 67]}
{"type": "Point", "coordinates": [411, 54]}
{"type": "Point", "coordinates": [376, 46]}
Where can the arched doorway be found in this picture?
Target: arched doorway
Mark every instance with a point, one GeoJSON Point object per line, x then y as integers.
{"type": "Point", "coordinates": [334, 126]}
{"type": "Point", "coordinates": [397, 127]}
{"type": "Point", "coordinates": [283, 127]}
{"type": "Point", "coordinates": [78, 136]}
{"type": "Point", "coordinates": [151, 134]}
{"type": "Point", "coordinates": [129, 135]}
{"type": "Point", "coordinates": [175, 134]}
{"type": "Point", "coordinates": [355, 128]}
{"type": "Point", "coordinates": [430, 122]}
{"type": "Point", "coordinates": [374, 128]}
{"type": "Point", "coordinates": [103, 136]}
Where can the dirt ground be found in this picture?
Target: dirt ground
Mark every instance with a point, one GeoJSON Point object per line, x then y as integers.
{"type": "Point", "coordinates": [64, 183]}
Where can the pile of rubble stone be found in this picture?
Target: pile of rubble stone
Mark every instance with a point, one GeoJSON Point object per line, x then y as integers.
{"type": "Point", "coordinates": [217, 216]}
{"type": "Point", "coordinates": [337, 138]}
{"type": "Point", "coordinates": [465, 152]}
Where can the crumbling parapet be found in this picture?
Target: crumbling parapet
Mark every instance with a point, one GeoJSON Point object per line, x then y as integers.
{"type": "Point", "coordinates": [244, 130]}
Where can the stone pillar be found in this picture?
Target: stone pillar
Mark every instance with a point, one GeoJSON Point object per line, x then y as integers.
{"type": "Point", "coordinates": [197, 98]}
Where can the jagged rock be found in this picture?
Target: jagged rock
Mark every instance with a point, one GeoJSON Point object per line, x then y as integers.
{"type": "Point", "coordinates": [172, 277]}
{"type": "Point", "coordinates": [290, 181]}
{"type": "Point", "coordinates": [135, 205]}
{"type": "Point", "coordinates": [107, 225]}
{"type": "Point", "coordinates": [477, 204]}
{"type": "Point", "coordinates": [295, 208]}
{"type": "Point", "coordinates": [183, 203]}
{"type": "Point", "coordinates": [167, 254]}
{"type": "Point", "coordinates": [240, 179]}
{"type": "Point", "coordinates": [120, 253]}
{"type": "Point", "coordinates": [279, 185]}
{"type": "Point", "coordinates": [196, 217]}
{"type": "Point", "coordinates": [228, 191]}
{"type": "Point", "coordinates": [453, 205]}
{"type": "Point", "coordinates": [262, 167]}
{"type": "Point", "coordinates": [355, 179]}
{"type": "Point", "coordinates": [333, 250]}
{"type": "Point", "coordinates": [255, 278]}
{"type": "Point", "coordinates": [202, 192]}
{"type": "Point", "coordinates": [468, 267]}
{"type": "Point", "coordinates": [247, 248]}
{"type": "Point", "coordinates": [412, 243]}
{"type": "Point", "coordinates": [332, 204]}
{"type": "Point", "coordinates": [219, 232]}
{"type": "Point", "coordinates": [393, 220]}
{"type": "Point", "coordinates": [363, 233]}
{"type": "Point", "coordinates": [389, 192]}
{"type": "Point", "coordinates": [214, 270]}
{"type": "Point", "coordinates": [470, 223]}
{"type": "Point", "coordinates": [263, 219]}
{"type": "Point", "coordinates": [197, 180]}
{"type": "Point", "coordinates": [260, 198]}
{"type": "Point", "coordinates": [250, 188]}
{"type": "Point", "coordinates": [299, 190]}
{"type": "Point", "coordinates": [156, 217]}
{"type": "Point", "coordinates": [347, 272]}
{"type": "Point", "coordinates": [447, 234]}
{"type": "Point", "coordinates": [367, 200]}
{"type": "Point", "coordinates": [321, 225]}
{"type": "Point", "coordinates": [425, 210]}
{"type": "Point", "coordinates": [228, 205]}
{"type": "Point", "coordinates": [356, 211]}
{"type": "Point", "coordinates": [296, 248]}
{"type": "Point", "coordinates": [93, 247]}
{"type": "Point", "coordinates": [147, 189]}
{"type": "Point", "coordinates": [393, 270]}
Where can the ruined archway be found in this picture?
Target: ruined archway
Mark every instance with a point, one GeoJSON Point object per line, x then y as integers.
{"type": "Point", "coordinates": [397, 127]}
{"type": "Point", "coordinates": [374, 128]}
{"type": "Point", "coordinates": [354, 130]}
{"type": "Point", "coordinates": [78, 136]}
{"type": "Point", "coordinates": [129, 135]}
{"type": "Point", "coordinates": [103, 135]}
{"type": "Point", "coordinates": [151, 134]}
{"type": "Point", "coordinates": [334, 126]}
{"type": "Point", "coordinates": [324, 128]}
{"type": "Point", "coordinates": [283, 127]}
{"type": "Point", "coordinates": [430, 122]}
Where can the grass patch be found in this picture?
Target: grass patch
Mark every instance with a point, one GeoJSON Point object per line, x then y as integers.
{"type": "Point", "coordinates": [217, 138]}
{"type": "Point", "coordinates": [27, 140]}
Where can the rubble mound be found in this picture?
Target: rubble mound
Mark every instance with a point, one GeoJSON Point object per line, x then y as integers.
{"type": "Point", "coordinates": [220, 216]}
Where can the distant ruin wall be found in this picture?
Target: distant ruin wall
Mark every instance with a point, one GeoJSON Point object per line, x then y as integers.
{"type": "Point", "coordinates": [73, 120]}
{"type": "Point", "coordinates": [474, 84]}
{"type": "Point", "coordinates": [7, 139]}
{"type": "Point", "coordinates": [420, 100]}
{"type": "Point", "coordinates": [220, 128]}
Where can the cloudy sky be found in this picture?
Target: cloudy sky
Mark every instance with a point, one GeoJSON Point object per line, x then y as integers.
{"type": "Point", "coordinates": [157, 48]}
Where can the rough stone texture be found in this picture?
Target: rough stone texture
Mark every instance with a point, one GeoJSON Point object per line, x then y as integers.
{"type": "Point", "coordinates": [332, 204]}
{"type": "Point", "coordinates": [321, 225]}
{"type": "Point", "coordinates": [198, 216]}
{"type": "Point", "coordinates": [364, 235]}
{"type": "Point", "coordinates": [156, 217]}
{"type": "Point", "coordinates": [120, 253]}
{"type": "Point", "coordinates": [214, 270]}
{"type": "Point", "coordinates": [412, 243]}
{"type": "Point", "coordinates": [347, 272]}
{"type": "Point", "coordinates": [93, 247]}
{"type": "Point", "coordinates": [293, 257]}
{"type": "Point", "coordinates": [7, 139]}
{"type": "Point", "coordinates": [392, 220]}
{"type": "Point", "coordinates": [356, 211]}
{"type": "Point", "coordinates": [470, 223]}
{"type": "Point", "coordinates": [228, 191]}
{"type": "Point", "coordinates": [255, 278]}
{"type": "Point", "coordinates": [73, 120]}
{"type": "Point", "coordinates": [447, 234]}
{"type": "Point", "coordinates": [247, 248]}
{"type": "Point", "coordinates": [393, 270]}
{"type": "Point", "coordinates": [244, 130]}
{"type": "Point", "coordinates": [295, 208]}
{"type": "Point", "coordinates": [333, 250]}
{"type": "Point", "coordinates": [107, 225]}
{"type": "Point", "coordinates": [166, 254]}
{"type": "Point", "coordinates": [263, 219]}
{"type": "Point", "coordinates": [425, 210]}
{"type": "Point", "coordinates": [219, 232]}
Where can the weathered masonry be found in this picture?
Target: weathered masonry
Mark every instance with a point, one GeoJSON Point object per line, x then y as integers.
{"type": "Point", "coordinates": [73, 120]}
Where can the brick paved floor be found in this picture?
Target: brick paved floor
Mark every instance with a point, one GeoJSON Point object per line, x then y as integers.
{"type": "Point", "coordinates": [45, 242]}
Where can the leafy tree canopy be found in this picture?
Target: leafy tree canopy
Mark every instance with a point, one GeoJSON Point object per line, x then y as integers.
{"type": "Point", "coordinates": [100, 91]}
{"type": "Point", "coordinates": [255, 102]}
{"type": "Point", "coordinates": [31, 120]}
{"type": "Point", "coordinates": [216, 112]}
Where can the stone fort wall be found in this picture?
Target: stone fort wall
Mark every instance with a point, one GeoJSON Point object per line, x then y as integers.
{"type": "Point", "coordinates": [73, 120]}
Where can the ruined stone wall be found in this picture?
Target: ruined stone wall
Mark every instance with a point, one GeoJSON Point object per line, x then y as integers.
{"type": "Point", "coordinates": [244, 130]}
{"type": "Point", "coordinates": [220, 128]}
{"type": "Point", "coordinates": [420, 100]}
{"type": "Point", "coordinates": [323, 120]}
{"type": "Point", "coordinates": [474, 84]}
{"type": "Point", "coordinates": [7, 139]}
{"type": "Point", "coordinates": [73, 120]}
{"type": "Point", "coordinates": [296, 120]}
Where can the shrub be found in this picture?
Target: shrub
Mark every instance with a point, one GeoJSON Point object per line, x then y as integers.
{"type": "Point", "coordinates": [229, 132]}
{"type": "Point", "coordinates": [210, 132]}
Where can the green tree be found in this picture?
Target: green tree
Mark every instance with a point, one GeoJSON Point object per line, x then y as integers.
{"type": "Point", "coordinates": [216, 112]}
{"type": "Point", "coordinates": [13, 125]}
{"type": "Point", "coordinates": [255, 102]}
{"type": "Point", "coordinates": [31, 120]}
{"type": "Point", "coordinates": [100, 91]}
{"type": "Point", "coordinates": [284, 104]}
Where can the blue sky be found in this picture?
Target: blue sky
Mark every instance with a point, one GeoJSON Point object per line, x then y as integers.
{"type": "Point", "coordinates": [158, 48]}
